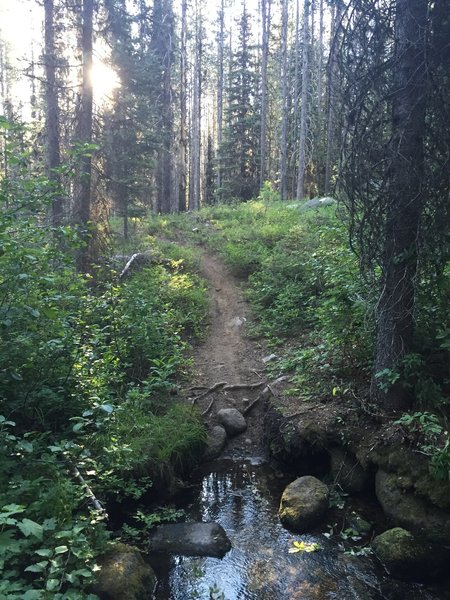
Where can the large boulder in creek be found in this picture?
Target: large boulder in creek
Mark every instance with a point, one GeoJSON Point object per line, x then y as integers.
{"type": "Point", "coordinates": [347, 471]}
{"type": "Point", "coordinates": [407, 509]}
{"type": "Point", "coordinates": [124, 575]}
{"type": "Point", "coordinates": [190, 539]}
{"type": "Point", "coordinates": [232, 420]}
{"type": "Point", "coordinates": [410, 558]}
{"type": "Point", "coordinates": [303, 504]}
{"type": "Point", "coordinates": [216, 441]}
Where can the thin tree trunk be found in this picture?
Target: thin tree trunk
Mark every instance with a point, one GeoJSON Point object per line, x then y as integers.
{"type": "Point", "coordinates": [52, 114]}
{"type": "Point", "coordinates": [183, 109]}
{"type": "Point", "coordinates": [194, 196]}
{"type": "Point", "coordinates": [395, 319]}
{"type": "Point", "coordinates": [220, 82]}
{"type": "Point", "coordinates": [266, 17]}
{"type": "Point", "coordinates": [304, 107]}
{"type": "Point", "coordinates": [284, 94]}
{"type": "Point", "coordinates": [84, 136]}
{"type": "Point", "coordinates": [332, 66]}
{"type": "Point", "coordinates": [320, 66]}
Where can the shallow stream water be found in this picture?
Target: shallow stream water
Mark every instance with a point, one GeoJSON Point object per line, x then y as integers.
{"type": "Point", "coordinates": [243, 496]}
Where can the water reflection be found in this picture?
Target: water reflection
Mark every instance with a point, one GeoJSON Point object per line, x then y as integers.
{"type": "Point", "coordinates": [243, 498]}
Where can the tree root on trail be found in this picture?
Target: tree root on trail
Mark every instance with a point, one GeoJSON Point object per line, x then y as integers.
{"type": "Point", "coordinates": [215, 387]}
{"type": "Point", "coordinates": [243, 386]}
{"type": "Point", "coordinates": [250, 406]}
{"type": "Point", "coordinates": [205, 412]}
{"type": "Point", "coordinates": [226, 387]}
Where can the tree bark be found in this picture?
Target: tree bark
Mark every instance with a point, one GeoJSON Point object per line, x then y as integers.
{"type": "Point", "coordinates": [266, 17]}
{"type": "Point", "coordinates": [183, 110]}
{"type": "Point", "coordinates": [332, 67]}
{"type": "Point", "coordinates": [220, 83]}
{"type": "Point", "coordinates": [195, 182]}
{"type": "Point", "coordinates": [304, 107]}
{"type": "Point", "coordinates": [284, 99]}
{"type": "Point", "coordinates": [52, 114]}
{"type": "Point", "coordinates": [84, 136]}
{"type": "Point", "coordinates": [395, 319]}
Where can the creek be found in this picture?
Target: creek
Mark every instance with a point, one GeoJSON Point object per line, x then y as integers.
{"type": "Point", "coordinates": [243, 496]}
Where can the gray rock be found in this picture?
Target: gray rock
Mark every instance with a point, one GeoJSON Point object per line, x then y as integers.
{"type": "Point", "coordinates": [124, 575]}
{"type": "Point", "coordinates": [233, 421]}
{"type": "Point", "coordinates": [411, 558]}
{"type": "Point", "coordinates": [317, 203]}
{"type": "Point", "coordinates": [347, 471]}
{"type": "Point", "coordinates": [215, 443]}
{"type": "Point", "coordinates": [269, 358]}
{"type": "Point", "coordinates": [303, 504]}
{"type": "Point", "coordinates": [405, 508]}
{"type": "Point", "coordinates": [190, 539]}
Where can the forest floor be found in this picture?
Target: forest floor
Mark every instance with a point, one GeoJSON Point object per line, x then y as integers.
{"type": "Point", "coordinates": [228, 358]}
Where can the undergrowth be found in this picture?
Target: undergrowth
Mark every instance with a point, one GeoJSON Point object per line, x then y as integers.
{"type": "Point", "coordinates": [304, 288]}
{"type": "Point", "coordinates": [317, 312]}
{"type": "Point", "coordinates": [88, 382]}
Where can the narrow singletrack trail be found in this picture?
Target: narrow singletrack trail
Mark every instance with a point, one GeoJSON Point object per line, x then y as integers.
{"type": "Point", "coordinates": [228, 356]}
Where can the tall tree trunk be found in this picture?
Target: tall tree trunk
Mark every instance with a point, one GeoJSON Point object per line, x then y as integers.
{"type": "Point", "coordinates": [220, 85]}
{"type": "Point", "coordinates": [304, 107]}
{"type": "Point", "coordinates": [183, 110]}
{"type": "Point", "coordinates": [319, 67]}
{"type": "Point", "coordinates": [52, 114]}
{"type": "Point", "coordinates": [84, 136]}
{"type": "Point", "coordinates": [332, 77]}
{"type": "Point", "coordinates": [162, 46]}
{"type": "Point", "coordinates": [395, 319]}
{"type": "Point", "coordinates": [284, 99]}
{"type": "Point", "coordinates": [195, 183]}
{"type": "Point", "coordinates": [266, 17]}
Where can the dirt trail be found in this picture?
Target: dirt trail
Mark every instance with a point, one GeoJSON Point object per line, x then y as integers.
{"type": "Point", "coordinates": [227, 355]}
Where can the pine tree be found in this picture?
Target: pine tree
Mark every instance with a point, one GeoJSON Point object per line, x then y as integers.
{"type": "Point", "coordinates": [240, 148]}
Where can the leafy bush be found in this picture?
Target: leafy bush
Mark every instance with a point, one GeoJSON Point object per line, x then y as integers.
{"type": "Point", "coordinates": [85, 384]}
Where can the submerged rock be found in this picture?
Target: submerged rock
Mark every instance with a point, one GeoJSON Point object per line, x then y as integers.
{"type": "Point", "coordinates": [233, 421]}
{"type": "Point", "coordinates": [410, 558]}
{"type": "Point", "coordinates": [405, 508]}
{"type": "Point", "coordinates": [190, 539]}
{"type": "Point", "coordinates": [215, 443]}
{"type": "Point", "coordinates": [304, 503]}
{"type": "Point", "coordinates": [124, 576]}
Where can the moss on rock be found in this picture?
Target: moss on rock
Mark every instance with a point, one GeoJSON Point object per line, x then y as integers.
{"type": "Point", "coordinates": [304, 503]}
{"type": "Point", "coordinates": [408, 557]}
{"type": "Point", "coordinates": [124, 575]}
{"type": "Point", "coordinates": [403, 507]}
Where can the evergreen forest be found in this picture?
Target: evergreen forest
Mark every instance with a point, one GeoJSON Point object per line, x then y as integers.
{"type": "Point", "coordinates": [306, 143]}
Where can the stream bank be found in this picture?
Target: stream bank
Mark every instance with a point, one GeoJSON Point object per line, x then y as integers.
{"type": "Point", "coordinates": [243, 496]}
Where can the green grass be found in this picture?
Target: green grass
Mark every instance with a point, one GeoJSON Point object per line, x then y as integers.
{"type": "Point", "coordinates": [304, 288]}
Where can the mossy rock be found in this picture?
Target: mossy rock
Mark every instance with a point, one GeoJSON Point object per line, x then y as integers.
{"type": "Point", "coordinates": [404, 507]}
{"type": "Point", "coordinates": [410, 558]}
{"type": "Point", "coordinates": [414, 469]}
{"type": "Point", "coordinates": [303, 504]}
{"type": "Point", "coordinates": [124, 575]}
